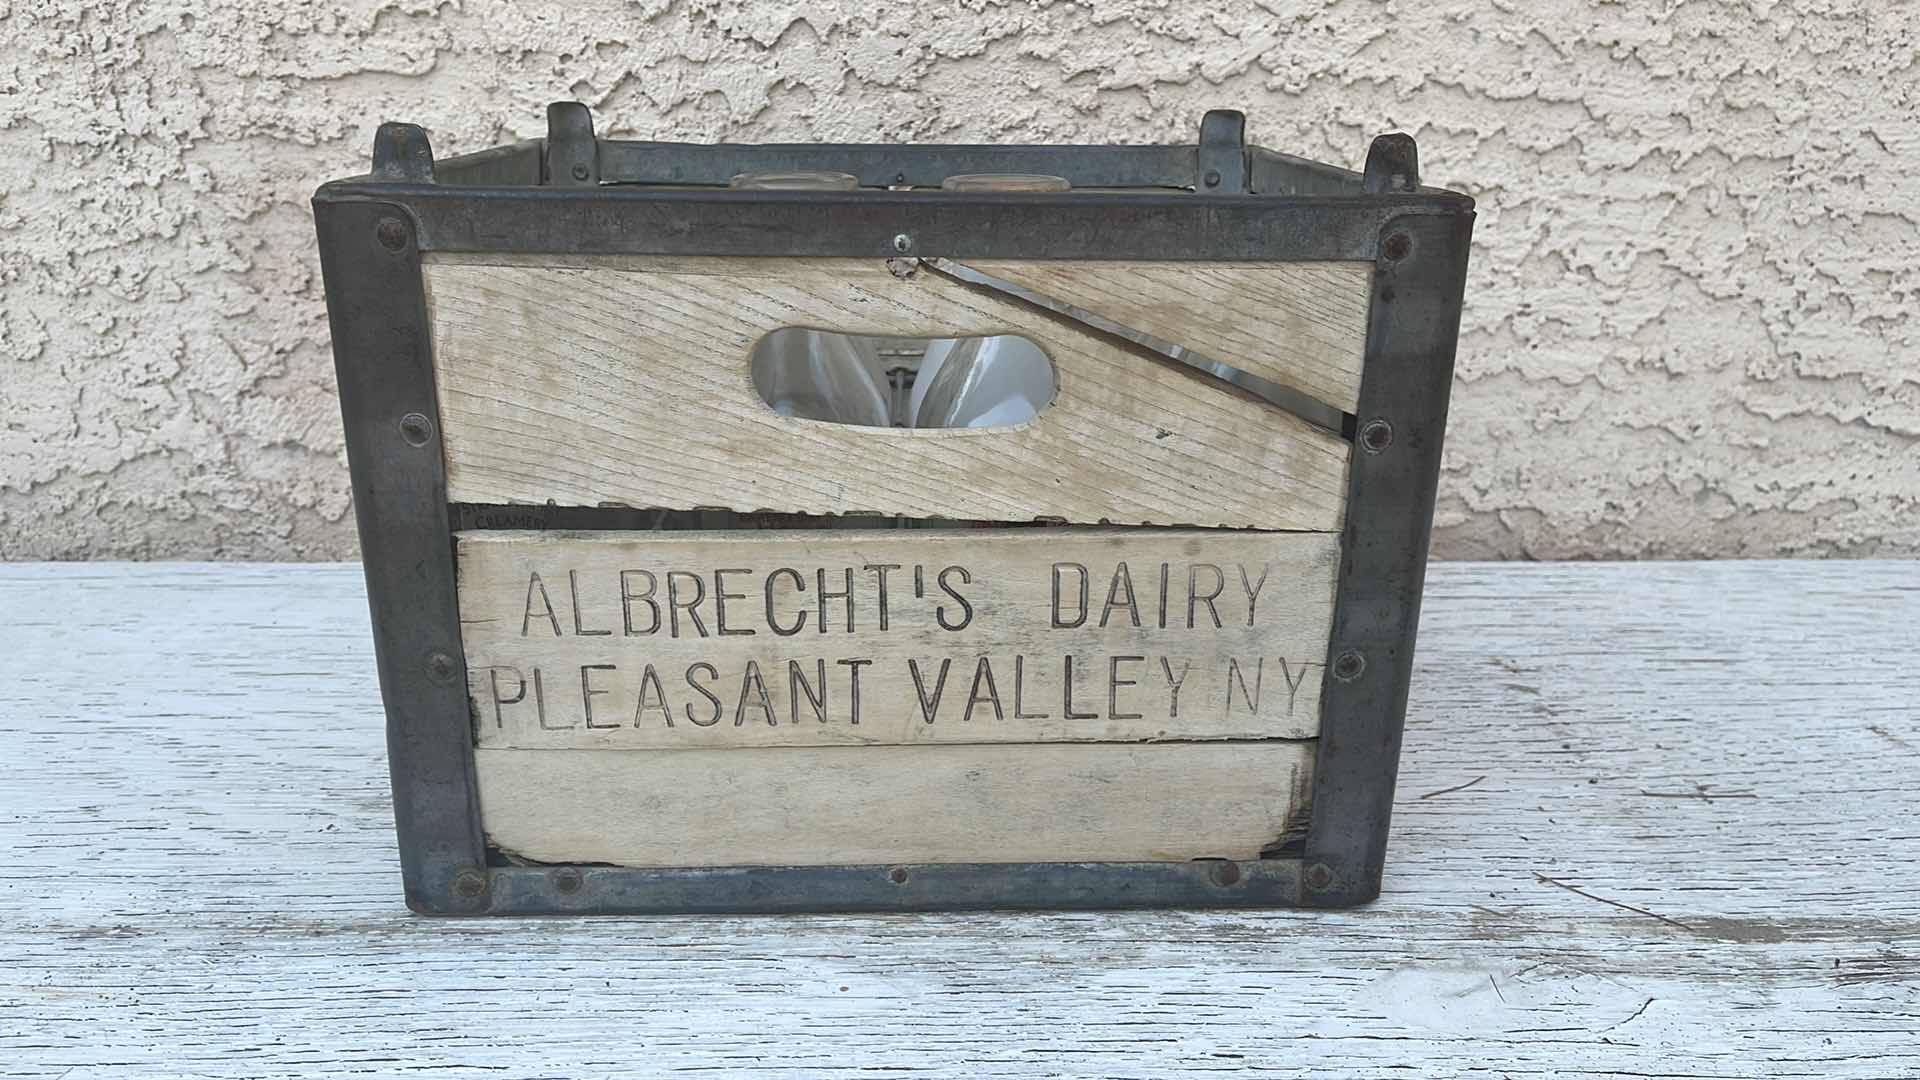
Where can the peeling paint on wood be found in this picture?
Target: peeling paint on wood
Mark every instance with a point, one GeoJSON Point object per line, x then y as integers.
{"type": "Point", "coordinates": [200, 875]}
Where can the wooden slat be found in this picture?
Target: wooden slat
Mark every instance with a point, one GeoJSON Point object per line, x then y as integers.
{"type": "Point", "coordinates": [628, 380]}
{"type": "Point", "coordinates": [1302, 325]}
{"type": "Point", "coordinates": [619, 640]}
{"type": "Point", "coordinates": [824, 806]}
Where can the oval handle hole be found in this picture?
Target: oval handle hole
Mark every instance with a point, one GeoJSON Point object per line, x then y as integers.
{"type": "Point", "coordinates": [867, 380]}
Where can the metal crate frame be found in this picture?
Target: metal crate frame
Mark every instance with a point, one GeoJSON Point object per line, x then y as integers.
{"type": "Point", "coordinates": [572, 193]}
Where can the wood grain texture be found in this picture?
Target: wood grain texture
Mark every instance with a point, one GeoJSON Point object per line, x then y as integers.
{"type": "Point", "coordinates": [627, 380]}
{"type": "Point", "coordinates": [200, 877]}
{"type": "Point", "coordinates": [1302, 325]}
{"type": "Point", "coordinates": [621, 640]}
{"type": "Point", "coordinates": [849, 805]}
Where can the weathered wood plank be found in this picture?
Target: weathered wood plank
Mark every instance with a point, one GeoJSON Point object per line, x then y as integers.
{"type": "Point", "coordinates": [628, 381]}
{"type": "Point", "coordinates": [200, 876]}
{"type": "Point", "coordinates": [825, 806]}
{"type": "Point", "coordinates": [1302, 325]}
{"type": "Point", "coordinates": [835, 637]}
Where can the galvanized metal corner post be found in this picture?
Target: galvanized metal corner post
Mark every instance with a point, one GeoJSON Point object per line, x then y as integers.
{"type": "Point", "coordinates": [1419, 277]}
{"type": "Point", "coordinates": [370, 259]}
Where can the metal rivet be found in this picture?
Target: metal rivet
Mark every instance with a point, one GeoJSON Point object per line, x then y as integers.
{"type": "Point", "coordinates": [903, 243]}
{"type": "Point", "coordinates": [898, 875]}
{"type": "Point", "coordinates": [1319, 876]}
{"type": "Point", "coordinates": [1397, 246]}
{"type": "Point", "coordinates": [1213, 178]}
{"type": "Point", "coordinates": [1348, 666]}
{"type": "Point", "coordinates": [580, 172]}
{"type": "Point", "coordinates": [567, 880]}
{"type": "Point", "coordinates": [1376, 435]}
{"type": "Point", "coordinates": [439, 667]}
{"type": "Point", "coordinates": [392, 233]}
{"type": "Point", "coordinates": [469, 883]}
{"type": "Point", "coordinates": [416, 429]}
{"type": "Point", "coordinates": [1224, 872]}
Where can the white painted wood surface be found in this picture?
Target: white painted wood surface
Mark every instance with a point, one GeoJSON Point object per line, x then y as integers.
{"type": "Point", "coordinates": [1655, 820]}
{"type": "Point", "coordinates": [628, 379]}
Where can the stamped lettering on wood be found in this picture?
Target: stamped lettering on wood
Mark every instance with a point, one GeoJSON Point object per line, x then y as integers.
{"type": "Point", "coordinates": [654, 640]}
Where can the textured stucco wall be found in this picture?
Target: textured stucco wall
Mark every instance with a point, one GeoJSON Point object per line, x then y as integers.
{"type": "Point", "coordinates": [1689, 327]}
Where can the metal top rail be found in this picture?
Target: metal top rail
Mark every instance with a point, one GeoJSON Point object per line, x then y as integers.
{"type": "Point", "coordinates": [1219, 162]}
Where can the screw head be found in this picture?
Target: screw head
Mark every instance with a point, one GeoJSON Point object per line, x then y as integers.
{"type": "Point", "coordinates": [1212, 178]}
{"type": "Point", "coordinates": [1224, 872]}
{"type": "Point", "coordinates": [898, 875]}
{"type": "Point", "coordinates": [580, 172]}
{"type": "Point", "coordinates": [439, 667]}
{"type": "Point", "coordinates": [568, 880]}
{"type": "Point", "coordinates": [903, 243]}
{"type": "Point", "coordinates": [1376, 435]}
{"type": "Point", "coordinates": [392, 234]}
{"type": "Point", "coordinates": [1348, 666]}
{"type": "Point", "coordinates": [416, 429]}
{"type": "Point", "coordinates": [1319, 876]}
{"type": "Point", "coordinates": [1397, 246]}
{"type": "Point", "coordinates": [469, 883]}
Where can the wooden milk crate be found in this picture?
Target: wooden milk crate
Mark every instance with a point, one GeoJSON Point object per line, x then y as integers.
{"type": "Point", "coordinates": [1151, 647]}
